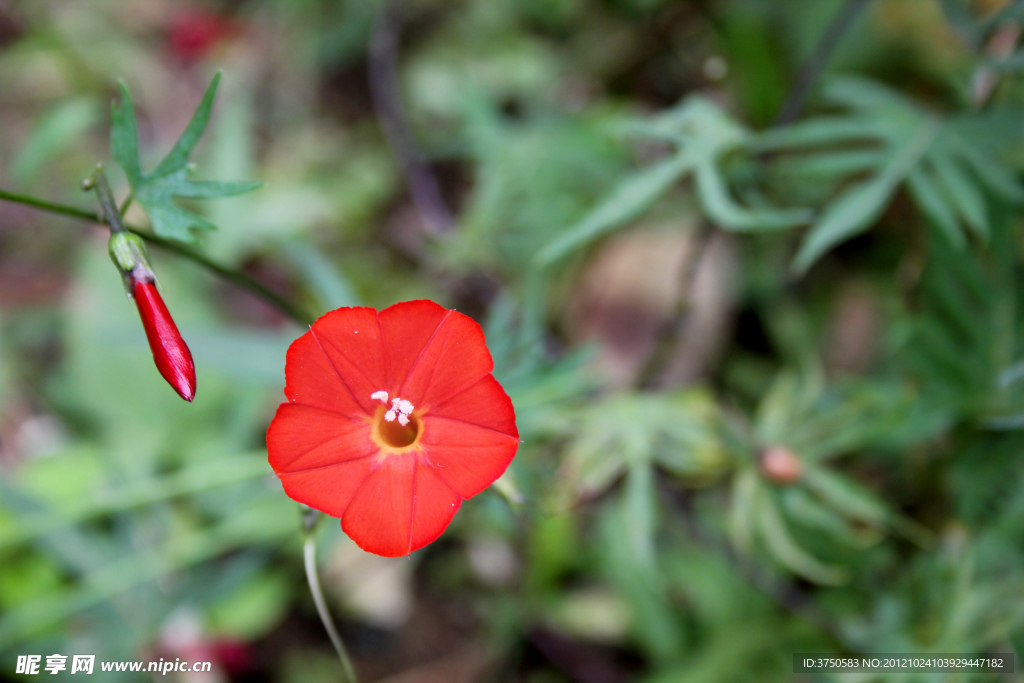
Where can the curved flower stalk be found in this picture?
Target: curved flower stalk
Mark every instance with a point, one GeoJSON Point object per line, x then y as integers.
{"type": "Point", "coordinates": [392, 420]}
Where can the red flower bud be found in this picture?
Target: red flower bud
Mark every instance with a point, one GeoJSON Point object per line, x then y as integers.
{"type": "Point", "coordinates": [173, 359]}
{"type": "Point", "coordinates": [193, 33]}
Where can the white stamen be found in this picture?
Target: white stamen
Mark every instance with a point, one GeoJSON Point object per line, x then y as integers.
{"type": "Point", "coordinates": [400, 408]}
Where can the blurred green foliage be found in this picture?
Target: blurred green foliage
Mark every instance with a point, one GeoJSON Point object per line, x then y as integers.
{"type": "Point", "coordinates": [154, 190]}
{"type": "Point", "coordinates": [838, 470]}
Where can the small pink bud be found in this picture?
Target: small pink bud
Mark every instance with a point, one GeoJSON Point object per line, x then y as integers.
{"type": "Point", "coordinates": [781, 465]}
{"type": "Point", "coordinates": [173, 359]}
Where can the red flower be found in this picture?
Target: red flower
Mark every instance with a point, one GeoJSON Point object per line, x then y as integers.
{"type": "Point", "coordinates": [392, 420]}
{"type": "Point", "coordinates": [193, 32]}
{"type": "Point", "coordinates": [173, 359]}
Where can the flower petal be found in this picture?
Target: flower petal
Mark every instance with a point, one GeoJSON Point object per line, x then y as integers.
{"type": "Point", "coordinates": [471, 438]}
{"type": "Point", "coordinates": [321, 457]}
{"type": "Point", "coordinates": [328, 489]}
{"type": "Point", "coordinates": [406, 328]}
{"type": "Point", "coordinates": [171, 354]}
{"type": "Point", "coordinates": [302, 437]}
{"type": "Point", "coordinates": [434, 505]}
{"type": "Point", "coordinates": [400, 507]}
{"type": "Point", "coordinates": [484, 404]}
{"type": "Point", "coordinates": [339, 363]}
{"type": "Point", "coordinates": [379, 517]}
{"type": "Point", "coordinates": [468, 470]}
{"type": "Point", "coordinates": [433, 353]}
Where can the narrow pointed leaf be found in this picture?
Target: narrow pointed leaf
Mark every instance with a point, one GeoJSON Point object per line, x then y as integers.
{"type": "Point", "coordinates": [721, 208]}
{"type": "Point", "coordinates": [177, 158]}
{"type": "Point", "coordinates": [171, 221]}
{"type": "Point", "coordinates": [179, 186]}
{"type": "Point", "coordinates": [61, 128]}
{"type": "Point", "coordinates": [992, 171]}
{"type": "Point", "coordinates": [788, 552]}
{"type": "Point", "coordinates": [742, 510]}
{"type": "Point", "coordinates": [853, 212]}
{"type": "Point", "coordinates": [858, 503]}
{"type": "Point", "coordinates": [154, 191]}
{"type": "Point", "coordinates": [933, 203]}
{"type": "Point", "coordinates": [809, 512]}
{"type": "Point", "coordinates": [862, 203]}
{"type": "Point", "coordinates": [962, 192]}
{"type": "Point", "coordinates": [124, 136]}
{"type": "Point", "coordinates": [825, 130]}
{"type": "Point", "coordinates": [640, 513]}
{"type": "Point", "coordinates": [866, 94]}
{"type": "Point", "coordinates": [842, 163]}
{"type": "Point", "coordinates": [633, 195]}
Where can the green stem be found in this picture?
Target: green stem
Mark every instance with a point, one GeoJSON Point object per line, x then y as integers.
{"type": "Point", "coordinates": [231, 275]}
{"type": "Point", "coordinates": [310, 519]}
{"type": "Point", "coordinates": [62, 209]}
{"type": "Point", "coordinates": [98, 181]}
{"type": "Point", "coordinates": [829, 40]}
{"type": "Point", "coordinates": [666, 343]}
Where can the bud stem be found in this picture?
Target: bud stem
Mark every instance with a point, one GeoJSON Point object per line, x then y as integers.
{"type": "Point", "coordinates": [98, 182]}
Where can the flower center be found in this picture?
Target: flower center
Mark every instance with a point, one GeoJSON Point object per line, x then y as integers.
{"type": "Point", "coordinates": [397, 426]}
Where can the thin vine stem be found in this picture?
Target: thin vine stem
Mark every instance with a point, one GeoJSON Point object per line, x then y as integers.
{"type": "Point", "coordinates": [311, 518]}
{"type": "Point", "coordinates": [841, 22]}
{"type": "Point", "coordinates": [231, 275]}
{"type": "Point", "coordinates": [423, 185]}
{"type": "Point", "coordinates": [671, 330]}
{"type": "Point", "coordinates": [52, 207]}
{"type": "Point", "coordinates": [108, 207]}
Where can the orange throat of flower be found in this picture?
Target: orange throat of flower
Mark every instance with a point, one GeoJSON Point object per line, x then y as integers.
{"type": "Point", "coordinates": [395, 427]}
